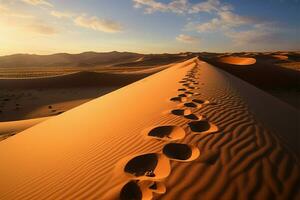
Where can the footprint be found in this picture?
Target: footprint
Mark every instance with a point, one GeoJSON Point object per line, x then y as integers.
{"type": "Point", "coordinates": [182, 95]}
{"type": "Point", "coordinates": [191, 87]}
{"type": "Point", "coordinates": [203, 127]}
{"type": "Point", "coordinates": [186, 113]}
{"type": "Point", "coordinates": [193, 117]}
{"type": "Point", "coordinates": [150, 166]}
{"type": "Point", "coordinates": [141, 190]}
{"type": "Point", "coordinates": [190, 105]}
{"type": "Point", "coordinates": [167, 133]}
{"type": "Point", "coordinates": [181, 152]}
{"type": "Point", "coordinates": [199, 101]}
{"type": "Point", "coordinates": [131, 191]}
{"type": "Point", "coordinates": [188, 92]}
{"type": "Point", "coordinates": [181, 112]}
{"type": "Point", "coordinates": [178, 99]}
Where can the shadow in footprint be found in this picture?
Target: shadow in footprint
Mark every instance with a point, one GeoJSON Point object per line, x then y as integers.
{"type": "Point", "coordinates": [192, 117]}
{"type": "Point", "coordinates": [150, 166]}
{"type": "Point", "coordinates": [190, 105]}
{"type": "Point", "coordinates": [182, 89]}
{"type": "Point", "coordinates": [181, 152]}
{"type": "Point", "coordinates": [182, 95]}
{"type": "Point", "coordinates": [167, 133]}
{"type": "Point", "coordinates": [181, 112]}
{"type": "Point", "coordinates": [131, 191]}
{"type": "Point", "coordinates": [188, 92]}
{"type": "Point", "coordinates": [202, 126]}
{"type": "Point", "coordinates": [143, 165]}
{"type": "Point", "coordinates": [178, 99]}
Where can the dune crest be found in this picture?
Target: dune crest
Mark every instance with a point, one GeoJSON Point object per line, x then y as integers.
{"type": "Point", "coordinates": [100, 151]}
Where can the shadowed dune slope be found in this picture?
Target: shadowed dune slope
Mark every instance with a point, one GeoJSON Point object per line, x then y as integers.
{"type": "Point", "coordinates": [100, 150]}
{"type": "Point", "coordinates": [80, 79]}
{"type": "Point", "coordinates": [262, 74]}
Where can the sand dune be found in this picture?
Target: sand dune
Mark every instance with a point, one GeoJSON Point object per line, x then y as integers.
{"type": "Point", "coordinates": [281, 57]}
{"type": "Point", "coordinates": [86, 59]}
{"type": "Point", "coordinates": [8, 129]}
{"type": "Point", "coordinates": [28, 98]}
{"type": "Point", "coordinates": [80, 79]}
{"type": "Point", "coordinates": [282, 79]}
{"type": "Point", "coordinates": [130, 145]}
{"type": "Point", "coordinates": [237, 60]}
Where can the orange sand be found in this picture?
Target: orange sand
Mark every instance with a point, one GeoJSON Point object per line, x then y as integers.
{"type": "Point", "coordinates": [237, 60]}
{"type": "Point", "coordinates": [115, 147]}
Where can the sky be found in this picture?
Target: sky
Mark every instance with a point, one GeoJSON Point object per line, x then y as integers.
{"type": "Point", "coordinates": [148, 26]}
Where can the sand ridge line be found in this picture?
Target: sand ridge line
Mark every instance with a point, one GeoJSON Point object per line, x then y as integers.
{"type": "Point", "coordinates": [145, 165]}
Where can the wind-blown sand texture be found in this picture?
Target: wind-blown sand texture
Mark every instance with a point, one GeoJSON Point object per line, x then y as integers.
{"type": "Point", "coordinates": [237, 60]}
{"type": "Point", "coordinates": [188, 132]}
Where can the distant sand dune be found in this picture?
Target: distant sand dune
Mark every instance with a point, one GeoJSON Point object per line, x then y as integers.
{"type": "Point", "coordinates": [237, 60]}
{"type": "Point", "coordinates": [281, 57]}
{"type": "Point", "coordinates": [100, 150]}
{"type": "Point", "coordinates": [80, 79]}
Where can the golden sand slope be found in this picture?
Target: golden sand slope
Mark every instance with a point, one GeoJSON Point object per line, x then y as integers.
{"type": "Point", "coordinates": [237, 60]}
{"type": "Point", "coordinates": [183, 133]}
{"type": "Point", "coordinates": [10, 128]}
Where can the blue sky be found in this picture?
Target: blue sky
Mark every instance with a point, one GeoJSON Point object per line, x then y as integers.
{"type": "Point", "coordinates": [148, 26]}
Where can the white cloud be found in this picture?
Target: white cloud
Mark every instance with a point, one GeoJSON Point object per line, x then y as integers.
{"type": "Point", "coordinates": [38, 2]}
{"type": "Point", "coordinates": [187, 38]}
{"type": "Point", "coordinates": [97, 24]}
{"type": "Point", "coordinates": [225, 20]}
{"type": "Point", "coordinates": [260, 33]}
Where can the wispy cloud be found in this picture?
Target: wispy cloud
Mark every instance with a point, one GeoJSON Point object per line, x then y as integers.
{"type": "Point", "coordinates": [150, 6]}
{"type": "Point", "coordinates": [225, 20]}
{"type": "Point", "coordinates": [209, 6]}
{"type": "Point", "coordinates": [95, 23]}
{"type": "Point", "coordinates": [187, 38]}
{"type": "Point", "coordinates": [181, 6]}
{"type": "Point", "coordinates": [12, 17]}
{"type": "Point", "coordinates": [38, 2]}
{"type": "Point", "coordinates": [41, 28]}
{"type": "Point", "coordinates": [62, 14]}
{"type": "Point", "coordinates": [260, 33]}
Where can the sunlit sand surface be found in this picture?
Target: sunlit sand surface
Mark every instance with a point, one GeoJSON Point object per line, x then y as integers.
{"type": "Point", "coordinates": [141, 142]}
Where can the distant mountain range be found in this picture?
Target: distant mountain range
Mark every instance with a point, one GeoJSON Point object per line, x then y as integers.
{"type": "Point", "coordinates": [88, 59]}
